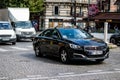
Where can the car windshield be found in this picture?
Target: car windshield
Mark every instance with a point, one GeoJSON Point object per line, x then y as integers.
{"type": "Point", "coordinates": [74, 34]}
{"type": "Point", "coordinates": [4, 26]}
{"type": "Point", "coordinates": [23, 24]}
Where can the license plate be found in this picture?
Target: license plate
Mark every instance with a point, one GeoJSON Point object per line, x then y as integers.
{"type": "Point", "coordinates": [96, 52]}
{"type": "Point", "coordinates": [27, 35]}
{"type": "Point", "coordinates": [5, 39]}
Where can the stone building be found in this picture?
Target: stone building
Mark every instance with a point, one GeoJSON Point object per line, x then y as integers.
{"type": "Point", "coordinates": [62, 13]}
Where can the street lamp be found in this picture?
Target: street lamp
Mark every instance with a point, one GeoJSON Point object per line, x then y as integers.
{"type": "Point", "coordinates": [88, 12]}
{"type": "Point", "coordinates": [74, 9]}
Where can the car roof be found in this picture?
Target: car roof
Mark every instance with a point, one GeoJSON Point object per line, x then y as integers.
{"type": "Point", "coordinates": [4, 22]}
{"type": "Point", "coordinates": [66, 28]}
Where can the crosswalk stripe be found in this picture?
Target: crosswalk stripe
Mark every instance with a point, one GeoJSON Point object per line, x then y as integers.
{"type": "Point", "coordinates": [30, 46]}
{"type": "Point", "coordinates": [15, 48]}
{"type": "Point", "coordinates": [3, 50]}
{"type": "Point", "coordinates": [18, 48]}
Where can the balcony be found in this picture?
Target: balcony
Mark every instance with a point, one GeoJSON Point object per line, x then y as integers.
{"type": "Point", "coordinates": [78, 1]}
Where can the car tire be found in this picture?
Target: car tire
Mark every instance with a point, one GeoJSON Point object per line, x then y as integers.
{"type": "Point", "coordinates": [64, 57]}
{"type": "Point", "coordinates": [38, 52]}
{"type": "Point", "coordinates": [13, 43]}
{"type": "Point", "coordinates": [99, 60]}
{"type": "Point", "coordinates": [112, 40]}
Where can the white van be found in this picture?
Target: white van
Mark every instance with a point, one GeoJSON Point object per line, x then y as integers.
{"type": "Point", "coordinates": [24, 30]}
{"type": "Point", "coordinates": [7, 34]}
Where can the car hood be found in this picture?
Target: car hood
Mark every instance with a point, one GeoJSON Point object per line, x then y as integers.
{"type": "Point", "coordinates": [88, 42]}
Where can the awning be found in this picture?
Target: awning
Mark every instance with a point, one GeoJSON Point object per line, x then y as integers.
{"type": "Point", "coordinates": [106, 16]}
{"type": "Point", "coordinates": [117, 2]}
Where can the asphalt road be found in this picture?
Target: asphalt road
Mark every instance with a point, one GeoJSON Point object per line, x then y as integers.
{"type": "Point", "coordinates": [18, 62]}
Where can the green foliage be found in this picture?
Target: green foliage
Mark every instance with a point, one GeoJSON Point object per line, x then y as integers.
{"type": "Point", "coordinates": [34, 5]}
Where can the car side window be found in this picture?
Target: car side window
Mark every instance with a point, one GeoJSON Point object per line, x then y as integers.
{"type": "Point", "coordinates": [55, 33]}
{"type": "Point", "coordinates": [47, 33]}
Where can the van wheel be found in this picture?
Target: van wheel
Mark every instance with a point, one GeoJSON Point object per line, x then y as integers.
{"type": "Point", "coordinates": [64, 56]}
{"type": "Point", "coordinates": [18, 39]}
{"type": "Point", "coordinates": [13, 43]}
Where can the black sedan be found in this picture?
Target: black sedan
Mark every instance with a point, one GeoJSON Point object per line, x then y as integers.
{"type": "Point", "coordinates": [115, 38]}
{"type": "Point", "coordinates": [69, 44]}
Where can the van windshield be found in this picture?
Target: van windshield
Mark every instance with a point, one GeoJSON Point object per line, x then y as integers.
{"type": "Point", "coordinates": [23, 24]}
{"type": "Point", "coordinates": [4, 26]}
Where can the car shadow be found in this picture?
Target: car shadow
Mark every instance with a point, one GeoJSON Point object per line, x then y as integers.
{"type": "Point", "coordinates": [5, 44]}
{"type": "Point", "coordinates": [56, 60]}
{"type": "Point", "coordinates": [25, 40]}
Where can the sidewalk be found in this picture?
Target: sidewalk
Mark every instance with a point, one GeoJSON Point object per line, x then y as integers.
{"type": "Point", "coordinates": [101, 36]}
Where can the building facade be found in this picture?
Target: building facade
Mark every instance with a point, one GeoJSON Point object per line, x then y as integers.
{"type": "Point", "coordinates": [62, 13]}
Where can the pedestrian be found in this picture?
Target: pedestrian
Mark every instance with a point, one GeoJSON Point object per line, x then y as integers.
{"type": "Point", "coordinates": [116, 29]}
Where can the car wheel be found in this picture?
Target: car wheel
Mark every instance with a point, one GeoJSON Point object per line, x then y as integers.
{"type": "Point", "coordinates": [18, 39]}
{"type": "Point", "coordinates": [13, 43]}
{"type": "Point", "coordinates": [37, 51]}
{"type": "Point", "coordinates": [64, 56]}
{"type": "Point", "coordinates": [99, 60]}
{"type": "Point", "coordinates": [112, 40]}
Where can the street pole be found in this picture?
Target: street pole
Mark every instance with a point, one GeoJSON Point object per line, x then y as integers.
{"type": "Point", "coordinates": [74, 12]}
{"type": "Point", "coordinates": [88, 12]}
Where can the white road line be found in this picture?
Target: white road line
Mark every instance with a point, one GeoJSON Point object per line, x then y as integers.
{"type": "Point", "coordinates": [3, 78]}
{"type": "Point", "coordinates": [53, 79]}
{"type": "Point", "coordinates": [72, 75]}
{"type": "Point", "coordinates": [33, 76]}
{"type": "Point", "coordinates": [3, 50]}
{"type": "Point", "coordinates": [95, 71]}
{"type": "Point", "coordinates": [30, 46]}
{"type": "Point", "coordinates": [18, 48]}
{"type": "Point", "coordinates": [117, 69]}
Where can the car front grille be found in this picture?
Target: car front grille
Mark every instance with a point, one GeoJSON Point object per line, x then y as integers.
{"type": "Point", "coordinates": [3, 36]}
{"type": "Point", "coordinates": [94, 47]}
{"type": "Point", "coordinates": [27, 33]}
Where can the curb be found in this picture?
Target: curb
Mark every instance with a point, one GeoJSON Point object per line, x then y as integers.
{"type": "Point", "coordinates": [112, 46]}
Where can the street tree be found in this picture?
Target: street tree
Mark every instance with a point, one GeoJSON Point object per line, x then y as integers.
{"type": "Point", "coordinates": [34, 5]}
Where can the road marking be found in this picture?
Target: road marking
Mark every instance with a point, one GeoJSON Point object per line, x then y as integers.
{"type": "Point", "coordinates": [3, 78]}
{"type": "Point", "coordinates": [53, 79]}
{"type": "Point", "coordinates": [117, 69]}
{"type": "Point", "coordinates": [12, 48]}
{"type": "Point", "coordinates": [18, 48]}
{"type": "Point", "coordinates": [95, 71]}
{"type": "Point", "coordinates": [3, 50]}
{"type": "Point", "coordinates": [33, 76]}
{"type": "Point", "coordinates": [71, 75]}
{"type": "Point", "coordinates": [30, 46]}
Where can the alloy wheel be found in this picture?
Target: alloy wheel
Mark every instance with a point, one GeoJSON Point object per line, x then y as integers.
{"type": "Point", "coordinates": [64, 56]}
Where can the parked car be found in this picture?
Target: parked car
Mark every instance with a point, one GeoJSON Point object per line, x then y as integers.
{"type": "Point", "coordinates": [115, 38]}
{"type": "Point", "coordinates": [7, 34]}
{"type": "Point", "coordinates": [69, 44]}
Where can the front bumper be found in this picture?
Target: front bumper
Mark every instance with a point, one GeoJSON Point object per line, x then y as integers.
{"type": "Point", "coordinates": [25, 36]}
{"type": "Point", "coordinates": [7, 40]}
{"type": "Point", "coordinates": [85, 55]}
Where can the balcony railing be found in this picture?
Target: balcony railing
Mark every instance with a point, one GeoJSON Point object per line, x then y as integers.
{"type": "Point", "coordinates": [78, 1]}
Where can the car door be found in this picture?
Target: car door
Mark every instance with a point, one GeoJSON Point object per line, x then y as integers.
{"type": "Point", "coordinates": [118, 37]}
{"type": "Point", "coordinates": [45, 41]}
{"type": "Point", "coordinates": [56, 40]}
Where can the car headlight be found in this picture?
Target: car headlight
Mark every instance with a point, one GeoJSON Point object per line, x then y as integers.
{"type": "Point", "coordinates": [18, 32]}
{"type": "Point", "coordinates": [13, 36]}
{"type": "Point", "coordinates": [75, 46]}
